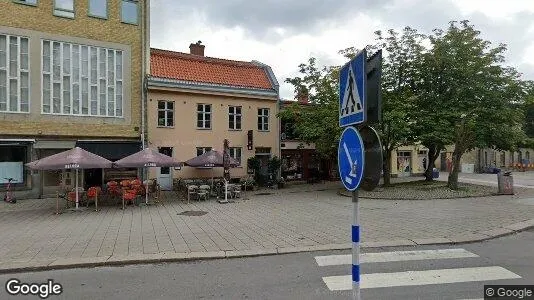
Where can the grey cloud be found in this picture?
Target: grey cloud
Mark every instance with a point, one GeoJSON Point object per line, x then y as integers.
{"type": "Point", "coordinates": [258, 17]}
{"type": "Point", "coordinates": [426, 15]}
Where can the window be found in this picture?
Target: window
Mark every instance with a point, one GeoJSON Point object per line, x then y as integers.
{"type": "Point", "coordinates": [98, 8]}
{"type": "Point", "coordinates": [263, 119]}
{"type": "Point", "coordinates": [129, 11]}
{"type": "Point", "coordinates": [234, 117]}
{"type": "Point", "coordinates": [235, 153]}
{"type": "Point", "coordinates": [81, 80]}
{"type": "Point", "coordinates": [28, 2]}
{"type": "Point", "coordinates": [14, 74]}
{"type": "Point", "coordinates": [204, 116]}
{"type": "Point", "coordinates": [202, 150]}
{"type": "Point", "coordinates": [165, 114]}
{"type": "Point", "coordinates": [64, 8]}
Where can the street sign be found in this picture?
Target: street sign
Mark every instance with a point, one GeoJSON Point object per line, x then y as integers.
{"type": "Point", "coordinates": [373, 158]}
{"type": "Point", "coordinates": [352, 91]}
{"type": "Point", "coordinates": [350, 157]}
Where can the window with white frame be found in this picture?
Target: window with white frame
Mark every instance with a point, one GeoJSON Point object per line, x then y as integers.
{"type": "Point", "coordinates": [202, 150]}
{"type": "Point", "coordinates": [64, 8]}
{"type": "Point", "coordinates": [263, 119]}
{"type": "Point", "coordinates": [14, 74]}
{"type": "Point", "coordinates": [234, 117]}
{"type": "Point", "coordinates": [129, 11]}
{"type": "Point", "coordinates": [235, 153]}
{"type": "Point", "coordinates": [30, 2]}
{"type": "Point", "coordinates": [204, 116]}
{"type": "Point", "coordinates": [165, 113]}
{"type": "Point", "coordinates": [98, 8]}
{"type": "Point", "coordinates": [81, 80]}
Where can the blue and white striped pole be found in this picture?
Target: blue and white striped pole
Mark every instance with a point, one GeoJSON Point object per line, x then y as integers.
{"type": "Point", "coordinates": [355, 246]}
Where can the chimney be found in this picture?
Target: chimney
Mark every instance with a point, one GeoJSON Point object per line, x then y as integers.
{"type": "Point", "coordinates": [303, 96]}
{"type": "Point", "coordinates": [197, 49]}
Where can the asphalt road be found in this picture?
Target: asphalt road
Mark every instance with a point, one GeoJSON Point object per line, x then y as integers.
{"type": "Point", "coordinates": [298, 276]}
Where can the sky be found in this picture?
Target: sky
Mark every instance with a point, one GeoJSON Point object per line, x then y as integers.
{"type": "Point", "coordinates": [285, 33]}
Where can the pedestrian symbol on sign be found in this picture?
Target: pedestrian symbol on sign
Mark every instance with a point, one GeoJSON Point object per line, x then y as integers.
{"type": "Point", "coordinates": [351, 103]}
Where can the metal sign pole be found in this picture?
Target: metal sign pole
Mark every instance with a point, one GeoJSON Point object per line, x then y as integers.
{"type": "Point", "coordinates": [355, 246]}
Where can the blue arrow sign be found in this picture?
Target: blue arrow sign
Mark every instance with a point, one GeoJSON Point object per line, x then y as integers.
{"type": "Point", "coordinates": [350, 157]}
{"type": "Point", "coordinates": [352, 93]}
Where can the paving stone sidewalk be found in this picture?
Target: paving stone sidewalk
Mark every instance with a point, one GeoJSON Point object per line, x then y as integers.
{"type": "Point", "coordinates": [288, 220]}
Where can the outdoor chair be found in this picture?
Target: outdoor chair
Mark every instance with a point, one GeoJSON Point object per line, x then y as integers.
{"type": "Point", "coordinates": [93, 194]}
{"type": "Point", "coordinates": [203, 192]}
{"type": "Point", "coordinates": [71, 197]}
{"type": "Point", "coordinates": [229, 191]}
{"type": "Point", "coordinates": [237, 191]}
{"type": "Point", "coordinates": [157, 195]}
{"type": "Point", "coordinates": [191, 192]}
{"type": "Point", "coordinates": [128, 195]}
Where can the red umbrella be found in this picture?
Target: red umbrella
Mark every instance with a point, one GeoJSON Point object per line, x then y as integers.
{"type": "Point", "coordinates": [147, 158]}
{"type": "Point", "coordinates": [76, 158]}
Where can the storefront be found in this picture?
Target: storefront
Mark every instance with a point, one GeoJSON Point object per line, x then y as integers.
{"type": "Point", "coordinates": [112, 150]}
{"type": "Point", "coordinates": [14, 154]}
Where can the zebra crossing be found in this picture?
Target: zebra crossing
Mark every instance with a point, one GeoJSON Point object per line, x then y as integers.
{"type": "Point", "coordinates": [412, 277]}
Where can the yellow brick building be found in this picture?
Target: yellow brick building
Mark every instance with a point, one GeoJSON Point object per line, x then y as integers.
{"type": "Point", "coordinates": [71, 74]}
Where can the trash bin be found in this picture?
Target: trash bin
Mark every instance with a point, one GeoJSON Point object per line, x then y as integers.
{"type": "Point", "coordinates": [505, 183]}
{"type": "Point", "coordinates": [435, 173]}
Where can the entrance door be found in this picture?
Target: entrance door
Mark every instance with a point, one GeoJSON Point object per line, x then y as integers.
{"type": "Point", "coordinates": [422, 158]}
{"type": "Point", "coordinates": [165, 173]}
{"type": "Point", "coordinates": [404, 165]}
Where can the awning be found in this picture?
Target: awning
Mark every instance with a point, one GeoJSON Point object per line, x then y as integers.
{"type": "Point", "coordinates": [112, 150]}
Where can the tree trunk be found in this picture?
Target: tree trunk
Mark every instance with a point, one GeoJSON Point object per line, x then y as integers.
{"type": "Point", "coordinates": [433, 153]}
{"type": "Point", "coordinates": [386, 168]}
{"type": "Point", "coordinates": [453, 176]}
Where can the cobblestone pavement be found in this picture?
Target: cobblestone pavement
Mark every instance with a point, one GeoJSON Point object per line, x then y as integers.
{"type": "Point", "coordinates": [301, 216]}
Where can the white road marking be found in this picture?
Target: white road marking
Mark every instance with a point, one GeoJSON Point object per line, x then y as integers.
{"type": "Point", "coordinates": [335, 260]}
{"type": "Point", "coordinates": [412, 278]}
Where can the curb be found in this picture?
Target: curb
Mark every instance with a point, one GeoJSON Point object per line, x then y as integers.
{"type": "Point", "coordinates": [340, 193]}
{"type": "Point", "coordinates": [114, 261]}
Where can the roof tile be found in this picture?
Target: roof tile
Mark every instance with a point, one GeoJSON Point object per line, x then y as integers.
{"type": "Point", "coordinates": [189, 67]}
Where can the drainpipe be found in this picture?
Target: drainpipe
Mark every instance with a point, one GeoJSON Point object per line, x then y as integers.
{"type": "Point", "coordinates": [145, 39]}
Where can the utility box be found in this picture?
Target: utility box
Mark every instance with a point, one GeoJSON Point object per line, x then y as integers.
{"type": "Point", "coordinates": [505, 183]}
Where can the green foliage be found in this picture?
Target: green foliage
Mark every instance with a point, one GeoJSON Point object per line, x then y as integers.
{"type": "Point", "coordinates": [316, 123]}
{"type": "Point", "coordinates": [457, 91]}
{"type": "Point", "coordinates": [273, 165]}
{"type": "Point", "coordinates": [467, 97]}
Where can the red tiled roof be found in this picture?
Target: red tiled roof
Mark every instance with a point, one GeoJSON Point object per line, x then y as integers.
{"type": "Point", "coordinates": [188, 67]}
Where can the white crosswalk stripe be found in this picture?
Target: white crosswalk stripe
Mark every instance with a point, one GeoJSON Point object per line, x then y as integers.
{"type": "Point", "coordinates": [411, 277]}
{"type": "Point", "coordinates": [334, 260]}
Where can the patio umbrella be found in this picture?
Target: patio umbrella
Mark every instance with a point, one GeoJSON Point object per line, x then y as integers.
{"type": "Point", "coordinates": [147, 158]}
{"type": "Point", "coordinates": [76, 158]}
{"type": "Point", "coordinates": [211, 158]}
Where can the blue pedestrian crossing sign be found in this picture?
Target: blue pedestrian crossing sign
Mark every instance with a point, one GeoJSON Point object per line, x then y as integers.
{"type": "Point", "coordinates": [352, 93]}
{"type": "Point", "coordinates": [350, 157]}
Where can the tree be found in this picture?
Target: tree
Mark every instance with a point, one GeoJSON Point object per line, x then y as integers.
{"type": "Point", "coordinates": [400, 72]}
{"type": "Point", "coordinates": [469, 95]}
{"type": "Point", "coordinates": [317, 123]}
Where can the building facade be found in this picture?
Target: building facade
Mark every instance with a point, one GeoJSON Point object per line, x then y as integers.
{"type": "Point", "coordinates": [195, 102]}
{"type": "Point", "coordinates": [71, 74]}
{"type": "Point", "coordinates": [300, 160]}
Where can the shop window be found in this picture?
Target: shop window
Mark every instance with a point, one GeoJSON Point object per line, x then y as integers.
{"type": "Point", "coordinates": [12, 160]}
